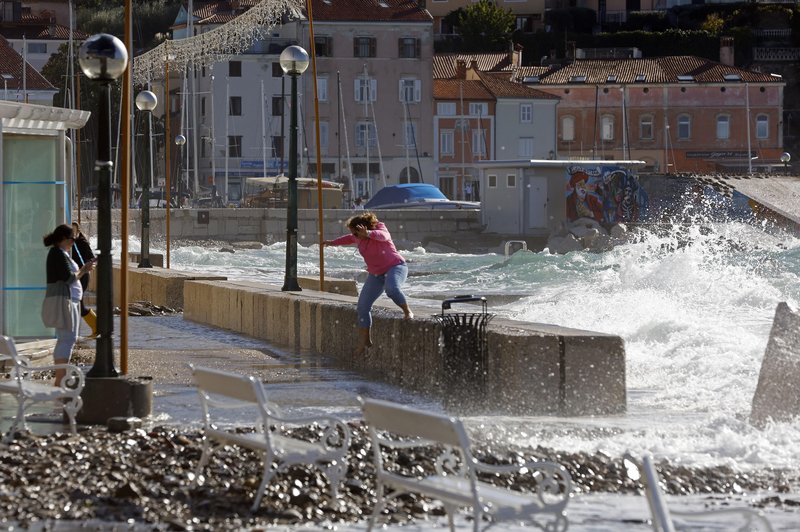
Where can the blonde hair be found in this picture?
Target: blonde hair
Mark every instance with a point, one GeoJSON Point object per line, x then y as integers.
{"type": "Point", "coordinates": [367, 219]}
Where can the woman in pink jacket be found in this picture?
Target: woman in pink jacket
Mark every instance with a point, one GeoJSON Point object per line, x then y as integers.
{"type": "Point", "coordinates": [386, 267]}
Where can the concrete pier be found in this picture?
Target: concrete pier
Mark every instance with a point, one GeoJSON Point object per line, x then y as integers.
{"type": "Point", "coordinates": [532, 368]}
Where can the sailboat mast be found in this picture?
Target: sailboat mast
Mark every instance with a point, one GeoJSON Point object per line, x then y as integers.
{"type": "Point", "coordinates": [346, 141]}
{"type": "Point", "coordinates": [747, 116]}
{"type": "Point", "coordinates": [227, 125]}
{"type": "Point", "coordinates": [378, 144]}
{"type": "Point", "coordinates": [339, 124]}
{"type": "Point", "coordinates": [263, 132]}
{"type": "Point", "coordinates": [405, 136]}
{"type": "Point", "coordinates": [213, 133]}
{"type": "Point", "coordinates": [193, 96]}
{"type": "Point", "coordinates": [366, 90]}
{"type": "Point", "coordinates": [462, 127]}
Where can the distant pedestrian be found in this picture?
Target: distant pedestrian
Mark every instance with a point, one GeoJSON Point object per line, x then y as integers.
{"type": "Point", "coordinates": [468, 191]}
{"type": "Point", "coordinates": [61, 308]}
{"type": "Point", "coordinates": [358, 205]}
{"type": "Point", "coordinates": [386, 267]}
{"type": "Point", "coordinates": [82, 253]}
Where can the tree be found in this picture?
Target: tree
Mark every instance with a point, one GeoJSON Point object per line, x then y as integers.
{"type": "Point", "coordinates": [486, 27]}
{"type": "Point", "coordinates": [713, 24]}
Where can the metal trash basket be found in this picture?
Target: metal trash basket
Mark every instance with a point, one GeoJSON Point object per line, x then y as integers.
{"type": "Point", "coordinates": [464, 349]}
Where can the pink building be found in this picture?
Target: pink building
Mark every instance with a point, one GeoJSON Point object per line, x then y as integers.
{"type": "Point", "coordinates": [679, 113]}
{"type": "Point", "coordinates": [374, 65]}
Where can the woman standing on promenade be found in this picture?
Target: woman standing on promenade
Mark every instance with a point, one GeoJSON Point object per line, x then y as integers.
{"type": "Point", "coordinates": [386, 267]}
{"type": "Point", "coordinates": [61, 309]}
{"type": "Point", "coordinates": [81, 254]}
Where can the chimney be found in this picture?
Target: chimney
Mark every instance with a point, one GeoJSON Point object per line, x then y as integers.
{"type": "Point", "coordinates": [516, 55]}
{"type": "Point", "coordinates": [726, 51]}
{"type": "Point", "coordinates": [461, 69]}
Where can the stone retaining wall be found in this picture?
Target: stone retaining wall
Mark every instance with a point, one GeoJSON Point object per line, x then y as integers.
{"type": "Point", "coordinates": [269, 225]}
{"type": "Point", "coordinates": [532, 368]}
{"type": "Point", "coordinates": [156, 285]}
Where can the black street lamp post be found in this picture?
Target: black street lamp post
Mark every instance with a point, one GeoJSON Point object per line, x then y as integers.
{"type": "Point", "coordinates": [103, 58]}
{"type": "Point", "coordinates": [294, 61]}
{"type": "Point", "coordinates": [146, 101]}
{"type": "Point", "coordinates": [785, 158]}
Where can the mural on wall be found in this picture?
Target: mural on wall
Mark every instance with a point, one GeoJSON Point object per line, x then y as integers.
{"type": "Point", "coordinates": [607, 194]}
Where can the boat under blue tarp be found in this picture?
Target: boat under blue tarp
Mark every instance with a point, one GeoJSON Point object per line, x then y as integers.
{"type": "Point", "coordinates": [415, 195]}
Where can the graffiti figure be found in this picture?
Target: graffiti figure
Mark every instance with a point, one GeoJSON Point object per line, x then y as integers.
{"type": "Point", "coordinates": [582, 202]}
{"type": "Point", "coordinates": [611, 192]}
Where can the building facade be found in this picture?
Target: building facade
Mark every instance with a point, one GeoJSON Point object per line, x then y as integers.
{"type": "Point", "coordinates": [677, 114]}
{"type": "Point", "coordinates": [21, 82]}
{"type": "Point", "coordinates": [484, 116]}
{"type": "Point", "coordinates": [375, 82]}
{"type": "Point", "coordinates": [37, 29]}
{"type": "Point", "coordinates": [375, 102]}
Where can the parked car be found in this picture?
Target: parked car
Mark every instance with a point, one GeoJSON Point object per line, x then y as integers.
{"type": "Point", "coordinates": [417, 196]}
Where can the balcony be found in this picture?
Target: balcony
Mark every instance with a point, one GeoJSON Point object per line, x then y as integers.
{"type": "Point", "coordinates": [776, 54]}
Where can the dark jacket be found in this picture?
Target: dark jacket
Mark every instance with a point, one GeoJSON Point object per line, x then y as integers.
{"type": "Point", "coordinates": [82, 251]}
{"type": "Point", "coordinates": [58, 267]}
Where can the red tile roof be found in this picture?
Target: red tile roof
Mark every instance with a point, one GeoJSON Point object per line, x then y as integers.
{"type": "Point", "coordinates": [11, 63]}
{"type": "Point", "coordinates": [444, 65]}
{"type": "Point", "coordinates": [673, 69]}
{"type": "Point", "coordinates": [455, 89]}
{"type": "Point", "coordinates": [370, 11]}
{"type": "Point", "coordinates": [40, 31]}
{"type": "Point", "coordinates": [487, 87]}
{"type": "Point", "coordinates": [504, 88]}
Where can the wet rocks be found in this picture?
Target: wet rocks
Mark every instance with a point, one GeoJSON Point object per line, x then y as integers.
{"type": "Point", "coordinates": [123, 424]}
{"type": "Point", "coordinates": [247, 245]}
{"type": "Point", "coordinates": [148, 477]}
{"type": "Point", "coordinates": [147, 308]}
{"type": "Point", "coordinates": [227, 249]}
{"type": "Point", "coordinates": [585, 234]}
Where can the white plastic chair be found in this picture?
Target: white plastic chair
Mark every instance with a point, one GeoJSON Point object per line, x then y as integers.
{"type": "Point", "coordinates": [455, 482]}
{"type": "Point", "coordinates": [662, 516]}
{"type": "Point", "coordinates": [29, 391]}
{"type": "Point", "coordinates": [224, 390]}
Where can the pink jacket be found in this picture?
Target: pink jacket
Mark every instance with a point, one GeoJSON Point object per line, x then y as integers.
{"type": "Point", "coordinates": [378, 250]}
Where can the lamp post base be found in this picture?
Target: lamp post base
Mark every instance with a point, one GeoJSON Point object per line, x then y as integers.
{"type": "Point", "coordinates": [291, 285]}
{"type": "Point", "coordinates": [104, 398]}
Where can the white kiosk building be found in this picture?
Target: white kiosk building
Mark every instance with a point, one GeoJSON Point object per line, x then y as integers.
{"type": "Point", "coordinates": [35, 186]}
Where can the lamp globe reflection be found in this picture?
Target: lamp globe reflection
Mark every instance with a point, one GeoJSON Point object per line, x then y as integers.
{"type": "Point", "coordinates": [180, 140]}
{"type": "Point", "coordinates": [294, 60]}
{"type": "Point", "coordinates": [786, 157]}
{"type": "Point", "coordinates": [146, 101]}
{"type": "Point", "coordinates": [103, 57]}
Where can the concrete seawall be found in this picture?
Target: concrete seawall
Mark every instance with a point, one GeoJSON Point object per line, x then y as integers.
{"type": "Point", "coordinates": [532, 368]}
{"type": "Point", "coordinates": [269, 225]}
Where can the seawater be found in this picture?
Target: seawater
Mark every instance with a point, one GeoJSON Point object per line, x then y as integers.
{"type": "Point", "coordinates": [694, 305]}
